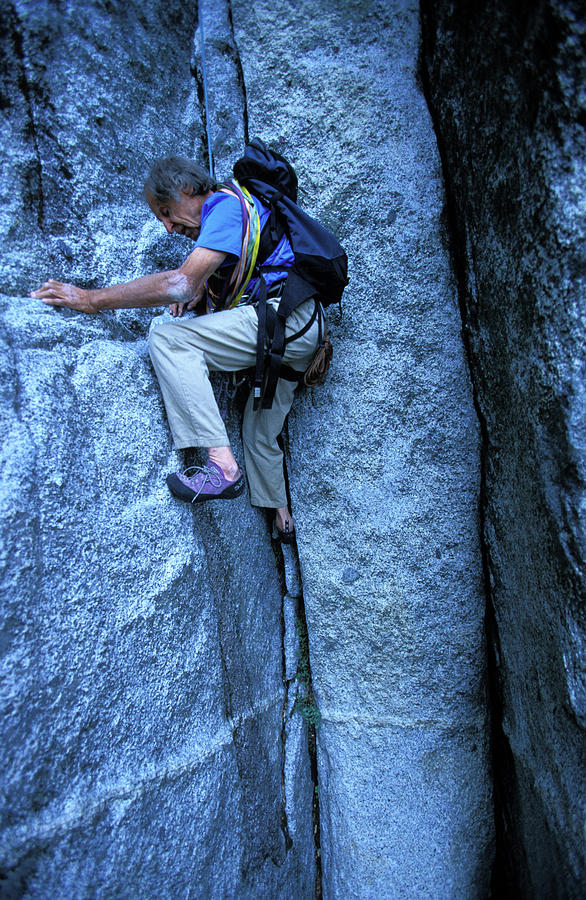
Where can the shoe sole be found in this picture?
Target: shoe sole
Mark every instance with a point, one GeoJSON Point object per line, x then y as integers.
{"type": "Point", "coordinates": [284, 537]}
{"type": "Point", "coordinates": [182, 492]}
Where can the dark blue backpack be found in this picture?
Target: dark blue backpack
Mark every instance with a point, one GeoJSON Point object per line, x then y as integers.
{"type": "Point", "coordinates": [320, 268]}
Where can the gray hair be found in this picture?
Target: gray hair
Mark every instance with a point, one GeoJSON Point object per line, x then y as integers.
{"type": "Point", "coordinates": [169, 176]}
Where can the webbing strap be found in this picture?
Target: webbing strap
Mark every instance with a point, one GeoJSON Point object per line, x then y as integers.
{"type": "Point", "coordinates": [271, 319]}
{"type": "Point", "coordinates": [276, 367]}
{"type": "Point", "coordinates": [271, 234]}
{"type": "Point", "coordinates": [275, 357]}
{"type": "Point", "coordinates": [287, 372]}
{"type": "Point", "coordinates": [290, 374]}
{"type": "Point", "coordinates": [261, 311]}
{"type": "Point", "coordinates": [271, 331]}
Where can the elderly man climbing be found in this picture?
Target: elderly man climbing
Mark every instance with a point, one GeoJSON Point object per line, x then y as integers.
{"type": "Point", "coordinates": [234, 285]}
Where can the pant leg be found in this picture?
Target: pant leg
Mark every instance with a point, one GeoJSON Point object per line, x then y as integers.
{"type": "Point", "coordinates": [183, 353]}
{"type": "Point", "coordinates": [262, 455]}
{"type": "Point", "coordinates": [261, 427]}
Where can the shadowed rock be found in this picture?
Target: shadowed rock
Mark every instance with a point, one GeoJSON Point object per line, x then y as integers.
{"type": "Point", "coordinates": [507, 87]}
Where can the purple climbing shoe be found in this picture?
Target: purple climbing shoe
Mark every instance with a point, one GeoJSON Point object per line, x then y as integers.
{"type": "Point", "coordinates": [198, 483]}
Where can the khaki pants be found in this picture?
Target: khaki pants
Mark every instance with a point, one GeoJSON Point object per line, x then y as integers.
{"type": "Point", "coordinates": [185, 350]}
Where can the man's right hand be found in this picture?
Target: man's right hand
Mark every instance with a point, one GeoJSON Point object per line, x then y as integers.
{"type": "Point", "coordinates": [56, 293]}
{"type": "Point", "coordinates": [182, 287]}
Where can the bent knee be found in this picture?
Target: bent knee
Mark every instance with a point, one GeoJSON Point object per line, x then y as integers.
{"type": "Point", "coordinates": [160, 334]}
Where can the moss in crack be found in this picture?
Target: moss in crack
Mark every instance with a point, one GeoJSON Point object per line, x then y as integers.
{"type": "Point", "coordinates": [305, 703]}
{"type": "Point", "coordinates": [308, 709]}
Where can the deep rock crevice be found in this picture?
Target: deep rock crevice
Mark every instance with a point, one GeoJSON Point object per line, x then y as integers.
{"type": "Point", "coordinates": [503, 86]}
{"type": "Point", "coordinates": [299, 699]}
{"type": "Point", "coordinates": [240, 72]}
{"type": "Point", "coordinates": [459, 249]}
{"type": "Point", "coordinates": [34, 176]}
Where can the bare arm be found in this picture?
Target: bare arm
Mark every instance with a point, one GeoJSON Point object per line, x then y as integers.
{"type": "Point", "coordinates": [183, 285]}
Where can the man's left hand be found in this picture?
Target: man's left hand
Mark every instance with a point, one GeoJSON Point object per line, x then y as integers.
{"type": "Point", "coordinates": [177, 309]}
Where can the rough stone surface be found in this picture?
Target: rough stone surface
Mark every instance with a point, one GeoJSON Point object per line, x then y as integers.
{"type": "Point", "coordinates": [221, 86]}
{"type": "Point", "coordinates": [384, 469]}
{"type": "Point", "coordinates": [146, 746]}
{"type": "Point", "coordinates": [152, 664]}
{"type": "Point", "coordinates": [506, 82]}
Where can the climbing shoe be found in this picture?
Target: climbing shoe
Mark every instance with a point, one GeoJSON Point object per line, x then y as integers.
{"type": "Point", "coordinates": [198, 483]}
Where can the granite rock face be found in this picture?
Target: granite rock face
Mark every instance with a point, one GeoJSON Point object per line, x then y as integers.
{"type": "Point", "coordinates": [384, 467]}
{"type": "Point", "coordinates": [146, 747]}
{"type": "Point", "coordinates": [151, 744]}
{"type": "Point", "coordinates": [142, 682]}
{"type": "Point", "coordinates": [506, 84]}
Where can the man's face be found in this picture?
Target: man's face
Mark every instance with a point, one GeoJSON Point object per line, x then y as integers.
{"type": "Point", "coordinates": [181, 216]}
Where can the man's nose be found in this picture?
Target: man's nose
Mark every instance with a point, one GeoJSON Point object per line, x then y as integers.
{"type": "Point", "coordinates": [168, 225]}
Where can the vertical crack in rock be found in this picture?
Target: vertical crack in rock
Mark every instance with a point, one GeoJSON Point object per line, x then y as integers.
{"type": "Point", "coordinates": [312, 717]}
{"type": "Point", "coordinates": [315, 811]}
{"type": "Point", "coordinates": [221, 90]}
{"type": "Point", "coordinates": [34, 174]}
{"type": "Point", "coordinates": [197, 73]}
{"type": "Point", "coordinates": [240, 72]}
{"type": "Point", "coordinates": [297, 671]}
{"type": "Point", "coordinates": [285, 714]}
{"type": "Point", "coordinates": [296, 634]}
{"type": "Point", "coordinates": [217, 70]}
{"type": "Point", "coordinates": [459, 253]}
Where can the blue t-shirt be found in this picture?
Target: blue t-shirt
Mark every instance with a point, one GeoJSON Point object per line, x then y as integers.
{"type": "Point", "coordinates": [221, 230]}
